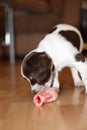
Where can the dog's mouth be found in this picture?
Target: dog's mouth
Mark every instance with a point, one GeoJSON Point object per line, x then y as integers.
{"type": "Point", "coordinates": [40, 88]}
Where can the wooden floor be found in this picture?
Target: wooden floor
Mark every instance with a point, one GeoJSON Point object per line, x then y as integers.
{"type": "Point", "coordinates": [17, 111]}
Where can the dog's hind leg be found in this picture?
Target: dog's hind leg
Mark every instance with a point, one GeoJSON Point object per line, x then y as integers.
{"type": "Point", "coordinates": [81, 66]}
{"type": "Point", "coordinates": [76, 77]}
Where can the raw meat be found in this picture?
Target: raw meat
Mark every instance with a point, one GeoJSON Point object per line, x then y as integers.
{"type": "Point", "coordinates": [44, 96]}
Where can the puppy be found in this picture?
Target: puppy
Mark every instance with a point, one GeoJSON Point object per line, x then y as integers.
{"type": "Point", "coordinates": [60, 48]}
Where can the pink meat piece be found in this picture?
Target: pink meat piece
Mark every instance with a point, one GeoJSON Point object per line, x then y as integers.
{"type": "Point", "coordinates": [44, 96]}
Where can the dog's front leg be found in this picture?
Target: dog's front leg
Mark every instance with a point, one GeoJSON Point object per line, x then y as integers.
{"type": "Point", "coordinates": [56, 81]}
{"type": "Point", "coordinates": [76, 78]}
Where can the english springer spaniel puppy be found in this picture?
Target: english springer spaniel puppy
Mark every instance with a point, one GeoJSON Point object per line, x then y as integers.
{"type": "Point", "coordinates": [60, 48]}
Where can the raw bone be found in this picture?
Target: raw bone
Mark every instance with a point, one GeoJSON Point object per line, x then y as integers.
{"type": "Point", "coordinates": [44, 96]}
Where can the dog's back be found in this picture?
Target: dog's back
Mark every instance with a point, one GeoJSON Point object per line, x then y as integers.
{"type": "Point", "coordinates": [62, 44]}
{"type": "Point", "coordinates": [66, 32]}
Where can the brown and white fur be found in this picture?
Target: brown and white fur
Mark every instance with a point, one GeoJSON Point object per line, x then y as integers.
{"type": "Point", "coordinates": [60, 48]}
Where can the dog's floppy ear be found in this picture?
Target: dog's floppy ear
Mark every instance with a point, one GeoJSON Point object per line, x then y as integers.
{"type": "Point", "coordinates": [40, 67]}
{"type": "Point", "coordinates": [36, 67]}
{"type": "Point", "coordinates": [23, 66]}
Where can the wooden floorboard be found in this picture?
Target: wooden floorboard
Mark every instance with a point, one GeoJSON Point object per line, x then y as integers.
{"type": "Point", "coordinates": [17, 111]}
